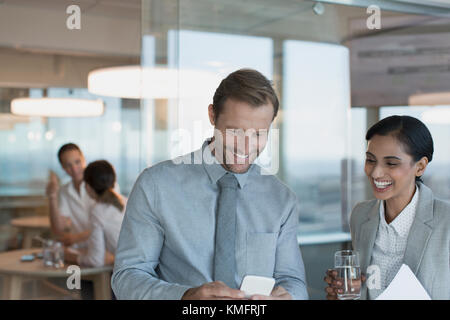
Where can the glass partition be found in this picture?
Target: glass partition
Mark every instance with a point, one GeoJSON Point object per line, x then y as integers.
{"type": "Point", "coordinates": [31, 147]}
{"type": "Point", "coordinates": [316, 105]}
{"type": "Point", "coordinates": [333, 74]}
{"type": "Point", "coordinates": [437, 120]}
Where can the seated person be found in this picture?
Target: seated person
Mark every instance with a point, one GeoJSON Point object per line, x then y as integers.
{"type": "Point", "coordinates": [105, 217]}
{"type": "Point", "coordinates": [70, 204]}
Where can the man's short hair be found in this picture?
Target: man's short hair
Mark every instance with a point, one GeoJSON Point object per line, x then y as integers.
{"type": "Point", "coordinates": [246, 85]}
{"type": "Point", "coordinates": [67, 147]}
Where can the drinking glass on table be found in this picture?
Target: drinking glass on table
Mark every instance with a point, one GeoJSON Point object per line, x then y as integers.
{"type": "Point", "coordinates": [53, 254]}
{"type": "Point", "coordinates": [47, 253]}
{"type": "Point", "coordinates": [58, 255]}
{"type": "Point", "coordinates": [346, 263]}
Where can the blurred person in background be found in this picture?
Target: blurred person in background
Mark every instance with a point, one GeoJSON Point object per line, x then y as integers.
{"type": "Point", "coordinates": [70, 204]}
{"type": "Point", "coordinates": [105, 218]}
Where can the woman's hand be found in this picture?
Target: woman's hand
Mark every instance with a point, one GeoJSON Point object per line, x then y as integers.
{"type": "Point", "coordinates": [336, 285]}
{"type": "Point", "coordinates": [109, 258]}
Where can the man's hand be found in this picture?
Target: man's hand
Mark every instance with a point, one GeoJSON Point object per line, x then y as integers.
{"type": "Point", "coordinates": [216, 290]}
{"type": "Point", "coordinates": [67, 223]}
{"type": "Point", "coordinates": [52, 186]}
{"type": "Point", "coordinates": [67, 238]}
{"type": "Point", "coordinates": [336, 284]}
{"type": "Point", "coordinates": [278, 293]}
{"type": "Point", "coordinates": [71, 255]}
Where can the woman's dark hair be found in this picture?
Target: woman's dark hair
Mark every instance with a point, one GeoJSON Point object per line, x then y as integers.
{"type": "Point", "coordinates": [101, 177]}
{"type": "Point", "coordinates": [411, 132]}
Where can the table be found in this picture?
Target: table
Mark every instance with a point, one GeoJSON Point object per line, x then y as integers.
{"type": "Point", "coordinates": [25, 201]}
{"type": "Point", "coordinates": [31, 227]}
{"type": "Point", "coordinates": [14, 272]}
{"type": "Point", "coordinates": [20, 205]}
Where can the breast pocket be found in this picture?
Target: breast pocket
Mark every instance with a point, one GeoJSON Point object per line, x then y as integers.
{"type": "Point", "coordinates": [261, 250]}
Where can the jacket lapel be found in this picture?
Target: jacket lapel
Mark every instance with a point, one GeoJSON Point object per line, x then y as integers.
{"type": "Point", "coordinates": [368, 234]}
{"type": "Point", "coordinates": [366, 241]}
{"type": "Point", "coordinates": [421, 229]}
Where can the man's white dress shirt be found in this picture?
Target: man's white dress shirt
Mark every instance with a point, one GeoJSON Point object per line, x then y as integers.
{"type": "Point", "coordinates": [75, 206]}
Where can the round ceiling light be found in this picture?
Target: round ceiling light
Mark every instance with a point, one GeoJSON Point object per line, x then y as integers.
{"type": "Point", "coordinates": [137, 82]}
{"type": "Point", "coordinates": [57, 107]}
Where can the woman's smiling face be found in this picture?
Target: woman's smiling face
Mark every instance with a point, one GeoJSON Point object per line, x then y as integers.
{"type": "Point", "coordinates": [391, 171]}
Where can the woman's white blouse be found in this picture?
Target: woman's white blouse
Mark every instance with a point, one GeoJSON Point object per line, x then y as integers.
{"type": "Point", "coordinates": [105, 224]}
{"type": "Point", "coordinates": [390, 244]}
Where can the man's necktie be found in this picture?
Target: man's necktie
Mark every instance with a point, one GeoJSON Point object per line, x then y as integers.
{"type": "Point", "coordinates": [224, 256]}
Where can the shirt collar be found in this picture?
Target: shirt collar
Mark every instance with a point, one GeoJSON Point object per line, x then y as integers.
{"type": "Point", "coordinates": [402, 223]}
{"type": "Point", "coordinates": [216, 171]}
{"type": "Point", "coordinates": [75, 192]}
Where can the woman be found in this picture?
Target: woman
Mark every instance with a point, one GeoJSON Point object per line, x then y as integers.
{"type": "Point", "coordinates": [405, 224]}
{"type": "Point", "coordinates": [105, 218]}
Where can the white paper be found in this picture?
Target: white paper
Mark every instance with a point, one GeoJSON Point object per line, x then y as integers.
{"type": "Point", "coordinates": [404, 286]}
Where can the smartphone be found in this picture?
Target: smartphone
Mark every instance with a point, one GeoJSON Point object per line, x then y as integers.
{"type": "Point", "coordinates": [252, 285]}
{"type": "Point", "coordinates": [27, 258]}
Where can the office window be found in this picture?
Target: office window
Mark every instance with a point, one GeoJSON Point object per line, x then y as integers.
{"type": "Point", "coordinates": [316, 106]}
{"type": "Point", "coordinates": [437, 120]}
{"type": "Point", "coordinates": [358, 127]}
{"type": "Point", "coordinates": [29, 149]}
{"type": "Point", "coordinates": [217, 54]}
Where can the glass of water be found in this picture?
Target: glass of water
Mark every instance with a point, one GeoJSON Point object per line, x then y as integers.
{"type": "Point", "coordinates": [47, 253]}
{"type": "Point", "coordinates": [58, 255]}
{"type": "Point", "coordinates": [346, 263]}
{"type": "Point", "coordinates": [53, 254]}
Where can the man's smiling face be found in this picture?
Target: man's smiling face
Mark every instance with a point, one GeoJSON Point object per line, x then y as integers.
{"type": "Point", "coordinates": [241, 132]}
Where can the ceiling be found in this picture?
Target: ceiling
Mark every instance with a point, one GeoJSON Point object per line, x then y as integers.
{"type": "Point", "coordinates": [102, 21]}
{"type": "Point", "coordinates": [36, 45]}
{"type": "Point", "coordinates": [129, 9]}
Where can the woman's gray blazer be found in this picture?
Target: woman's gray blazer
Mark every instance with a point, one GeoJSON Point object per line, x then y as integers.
{"type": "Point", "coordinates": [428, 245]}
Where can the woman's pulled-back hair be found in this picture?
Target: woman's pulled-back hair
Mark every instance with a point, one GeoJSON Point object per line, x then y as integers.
{"type": "Point", "coordinates": [410, 132]}
{"type": "Point", "coordinates": [101, 177]}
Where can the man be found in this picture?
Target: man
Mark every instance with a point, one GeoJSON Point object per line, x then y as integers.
{"type": "Point", "coordinates": [195, 226]}
{"type": "Point", "coordinates": [70, 204]}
